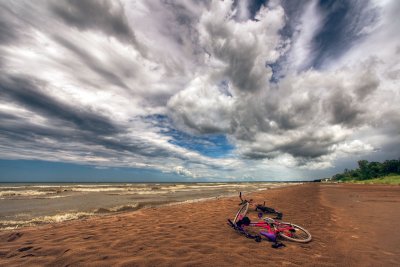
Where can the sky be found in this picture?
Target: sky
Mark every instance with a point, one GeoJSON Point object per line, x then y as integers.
{"type": "Point", "coordinates": [186, 90]}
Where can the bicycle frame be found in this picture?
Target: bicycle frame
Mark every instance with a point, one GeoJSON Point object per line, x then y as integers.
{"type": "Point", "coordinates": [272, 228]}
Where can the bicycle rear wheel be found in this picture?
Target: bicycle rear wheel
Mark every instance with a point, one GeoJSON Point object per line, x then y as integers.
{"type": "Point", "coordinates": [241, 212]}
{"type": "Point", "coordinates": [293, 232]}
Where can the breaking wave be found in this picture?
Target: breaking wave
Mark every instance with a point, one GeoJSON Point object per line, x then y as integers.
{"type": "Point", "coordinates": [14, 224]}
{"type": "Point", "coordinates": [24, 193]}
{"type": "Point", "coordinates": [121, 208]}
{"type": "Point", "coordinates": [67, 216]}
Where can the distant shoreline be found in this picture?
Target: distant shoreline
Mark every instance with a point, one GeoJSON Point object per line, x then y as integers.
{"type": "Point", "coordinates": [169, 182]}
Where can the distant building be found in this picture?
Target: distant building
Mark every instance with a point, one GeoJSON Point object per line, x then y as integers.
{"type": "Point", "coordinates": [322, 180]}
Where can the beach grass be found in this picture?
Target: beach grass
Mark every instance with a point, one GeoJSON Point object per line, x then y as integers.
{"type": "Point", "coordinates": [391, 179]}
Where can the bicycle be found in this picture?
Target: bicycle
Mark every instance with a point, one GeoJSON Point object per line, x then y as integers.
{"type": "Point", "coordinates": [273, 227]}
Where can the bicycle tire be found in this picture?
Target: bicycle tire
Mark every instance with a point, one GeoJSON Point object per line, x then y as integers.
{"type": "Point", "coordinates": [300, 235]}
{"type": "Point", "coordinates": [242, 211]}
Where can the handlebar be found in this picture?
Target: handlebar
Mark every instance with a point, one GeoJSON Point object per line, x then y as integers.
{"type": "Point", "coordinates": [261, 208]}
{"type": "Point", "coordinates": [244, 200]}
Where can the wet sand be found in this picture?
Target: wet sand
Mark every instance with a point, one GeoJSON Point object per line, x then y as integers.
{"type": "Point", "coordinates": [352, 225]}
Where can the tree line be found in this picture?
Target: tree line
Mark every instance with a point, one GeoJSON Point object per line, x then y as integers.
{"type": "Point", "coordinates": [369, 170]}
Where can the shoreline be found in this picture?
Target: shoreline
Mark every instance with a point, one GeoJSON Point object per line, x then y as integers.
{"type": "Point", "coordinates": [71, 215]}
{"type": "Point", "coordinates": [197, 233]}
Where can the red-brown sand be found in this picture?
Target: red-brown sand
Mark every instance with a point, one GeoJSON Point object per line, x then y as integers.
{"type": "Point", "coordinates": [352, 225]}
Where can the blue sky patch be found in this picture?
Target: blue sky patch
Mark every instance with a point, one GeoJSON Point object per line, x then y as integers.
{"type": "Point", "coordinates": [210, 145]}
{"type": "Point", "coordinates": [29, 171]}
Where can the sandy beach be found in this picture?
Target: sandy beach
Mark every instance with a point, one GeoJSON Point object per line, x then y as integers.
{"type": "Point", "coordinates": [351, 225]}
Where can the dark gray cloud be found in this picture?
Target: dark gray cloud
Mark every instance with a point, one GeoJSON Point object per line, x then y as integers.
{"type": "Point", "coordinates": [293, 13]}
{"type": "Point", "coordinates": [343, 108]}
{"type": "Point", "coordinates": [99, 15]}
{"type": "Point", "coordinates": [104, 16]}
{"type": "Point", "coordinates": [67, 128]}
{"type": "Point", "coordinates": [305, 148]}
{"type": "Point", "coordinates": [22, 130]}
{"type": "Point", "coordinates": [28, 93]}
{"type": "Point", "coordinates": [8, 27]}
{"type": "Point", "coordinates": [367, 86]}
{"type": "Point", "coordinates": [91, 62]}
{"type": "Point", "coordinates": [343, 23]}
{"type": "Point", "coordinates": [183, 21]}
{"type": "Point", "coordinates": [30, 136]}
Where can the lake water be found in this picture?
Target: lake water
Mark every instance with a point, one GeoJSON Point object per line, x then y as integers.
{"type": "Point", "coordinates": [35, 204]}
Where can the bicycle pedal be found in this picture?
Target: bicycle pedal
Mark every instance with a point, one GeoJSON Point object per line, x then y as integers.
{"type": "Point", "coordinates": [278, 245]}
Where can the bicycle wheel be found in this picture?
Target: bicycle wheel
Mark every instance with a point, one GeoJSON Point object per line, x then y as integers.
{"type": "Point", "coordinates": [293, 232]}
{"type": "Point", "coordinates": [241, 213]}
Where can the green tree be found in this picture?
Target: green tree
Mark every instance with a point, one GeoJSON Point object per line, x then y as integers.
{"type": "Point", "coordinates": [364, 171]}
{"type": "Point", "coordinates": [375, 169]}
{"type": "Point", "coordinates": [367, 170]}
{"type": "Point", "coordinates": [391, 166]}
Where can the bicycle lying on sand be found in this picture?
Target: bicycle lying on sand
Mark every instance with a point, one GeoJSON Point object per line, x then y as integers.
{"type": "Point", "coordinates": [271, 227]}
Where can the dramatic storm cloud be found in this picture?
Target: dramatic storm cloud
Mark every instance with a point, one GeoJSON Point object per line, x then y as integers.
{"type": "Point", "coordinates": [201, 89]}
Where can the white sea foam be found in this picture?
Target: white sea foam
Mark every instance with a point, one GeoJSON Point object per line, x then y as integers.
{"type": "Point", "coordinates": [11, 193]}
{"type": "Point", "coordinates": [191, 201]}
{"type": "Point", "coordinates": [90, 189]}
{"type": "Point", "coordinates": [62, 217]}
{"type": "Point", "coordinates": [52, 197]}
{"type": "Point", "coordinates": [120, 208]}
{"type": "Point", "coordinates": [68, 216]}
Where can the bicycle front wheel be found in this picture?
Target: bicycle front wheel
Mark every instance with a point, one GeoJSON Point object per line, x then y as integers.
{"type": "Point", "coordinates": [294, 232]}
{"type": "Point", "coordinates": [241, 212]}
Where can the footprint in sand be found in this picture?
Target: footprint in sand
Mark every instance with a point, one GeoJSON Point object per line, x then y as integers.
{"type": "Point", "coordinates": [28, 255]}
{"type": "Point", "coordinates": [24, 249]}
{"type": "Point", "coordinates": [14, 236]}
